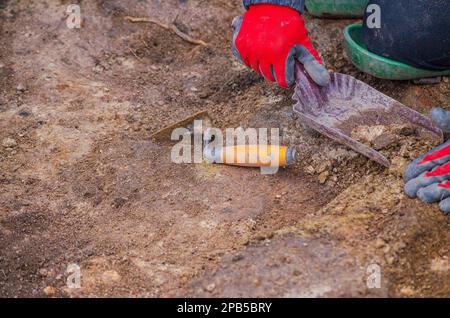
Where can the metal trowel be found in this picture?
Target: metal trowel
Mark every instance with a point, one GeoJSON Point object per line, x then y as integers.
{"type": "Point", "coordinates": [347, 103]}
{"type": "Point", "coordinates": [165, 133]}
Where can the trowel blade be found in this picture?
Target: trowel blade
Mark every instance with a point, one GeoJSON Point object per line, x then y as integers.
{"type": "Point", "coordinates": [164, 134]}
{"type": "Point", "coordinates": [347, 103]}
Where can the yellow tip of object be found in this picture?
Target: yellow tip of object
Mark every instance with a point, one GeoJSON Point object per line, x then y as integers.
{"type": "Point", "coordinates": [257, 156]}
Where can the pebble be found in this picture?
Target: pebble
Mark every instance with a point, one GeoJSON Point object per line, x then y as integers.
{"type": "Point", "coordinates": [9, 143]}
{"type": "Point", "coordinates": [210, 288]}
{"type": "Point", "coordinates": [390, 260]}
{"type": "Point", "coordinates": [256, 281]}
{"type": "Point", "coordinates": [49, 291]}
{"type": "Point", "coordinates": [440, 265]}
{"type": "Point", "coordinates": [310, 170]}
{"type": "Point", "coordinates": [98, 68]}
{"type": "Point", "coordinates": [323, 177]}
{"type": "Point", "coordinates": [406, 130]}
{"type": "Point", "coordinates": [237, 258]}
{"type": "Point", "coordinates": [407, 291]}
{"type": "Point", "coordinates": [43, 272]}
{"type": "Point", "coordinates": [379, 243]}
{"type": "Point", "coordinates": [111, 276]}
{"type": "Point", "coordinates": [399, 246]}
{"type": "Point", "coordinates": [383, 141]}
{"type": "Point", "coordinates": [296, 272]}
{"type": "Point", "coordinates": [21, 88]}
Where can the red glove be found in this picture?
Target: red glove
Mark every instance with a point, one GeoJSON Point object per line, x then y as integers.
{"type": "Point", "coordinates": [270, 38]}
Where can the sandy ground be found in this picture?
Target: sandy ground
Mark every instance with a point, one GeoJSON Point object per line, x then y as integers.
{"type": "Point", "coordinates": [82, 183]}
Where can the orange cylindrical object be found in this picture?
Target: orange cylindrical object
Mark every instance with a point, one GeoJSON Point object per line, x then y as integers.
{"type": "Point", "coordinates": [254, 156]}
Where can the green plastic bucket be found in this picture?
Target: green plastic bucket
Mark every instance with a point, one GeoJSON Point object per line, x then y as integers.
{"type": "Point", "coordinates": [336, 8]}
{"type": "Point", "coordinates": [377, 65]}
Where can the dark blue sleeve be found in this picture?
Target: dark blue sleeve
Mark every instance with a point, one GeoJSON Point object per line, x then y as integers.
{"type": "Point", "coordinates": [298, 5]}
{"type": "Point", "coordinates": [412, 32]}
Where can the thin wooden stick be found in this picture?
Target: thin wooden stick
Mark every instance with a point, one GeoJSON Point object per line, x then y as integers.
{"type": "Point", "coordinates": [172, 27]}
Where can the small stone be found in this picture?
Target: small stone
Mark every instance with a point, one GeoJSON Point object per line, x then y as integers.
{"type": "Point", "coordinates": [24, 113]}
{"type": "Point", "coordinates": [323, 177]}
{"type": "Point", "coordinates": [323, 166]}
{"type": "Point", "coordinates": [110, 276]}
{"type": "Point", "coordinates": [310, 170]}
{"type": "Point", "coordinates": [98, 68]}
{"type": "Point", "coordinates": [383, 141]}
{"type": "Point", "coordinates": [405, 130]}
{"type": "Point", "coordinates": [260, 237]}
{"type": "Point", "coordinates": [367, 134]}
{"type": "Point", "coordinates": [21, 88]}
{"type": "Point", "coordinates": [379, 243]}
{"type": "Point", "coordinates": [43, 272]}
{"type": "Point", "coordinates": [49, 291]}
{"type": "Point", "coordinates": [9, 143]}
{"type": "Point", "coordinates": [287, 260]}
{"type": "Point", "coordinates": [210, 288]}
{"type": "Point", "coordinates": [390, 260]}
{"type": "Point", "coordinates": [440, 265]}
{"type": "Point", "coordinates": [399, 246]}
{"type": "Point", "coordinates": [407, 291]}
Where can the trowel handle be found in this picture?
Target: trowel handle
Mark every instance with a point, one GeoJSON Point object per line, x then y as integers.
{"type": "Point", "coordinates": [255, 156]}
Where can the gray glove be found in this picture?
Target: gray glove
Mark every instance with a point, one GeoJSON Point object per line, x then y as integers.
{"type": "Point", "coordinates": [428, 177]}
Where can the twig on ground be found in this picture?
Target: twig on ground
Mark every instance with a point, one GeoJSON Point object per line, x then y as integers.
{"type": "Point", "coordinates": [134, 53]}
{"type": "Point", "coordinates": [172, 27]}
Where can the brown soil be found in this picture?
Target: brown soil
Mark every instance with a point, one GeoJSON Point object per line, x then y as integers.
{"type": "Point", "coordinates": [81, 182]}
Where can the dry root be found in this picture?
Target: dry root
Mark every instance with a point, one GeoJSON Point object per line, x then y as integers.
{"type": "Point", "coordinates": [172, 27]}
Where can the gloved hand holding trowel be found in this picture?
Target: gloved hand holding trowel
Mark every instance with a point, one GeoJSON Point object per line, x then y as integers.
{"type": "Point", "coordinates": [405, 39]}
{"type": "Point", "coordinates": [271, 37]}
{"type": "Point", "coordinates": [411, 41]}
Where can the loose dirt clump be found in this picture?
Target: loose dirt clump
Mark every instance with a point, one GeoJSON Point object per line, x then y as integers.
{"type": "Point", "coordinates": [400, 144]}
